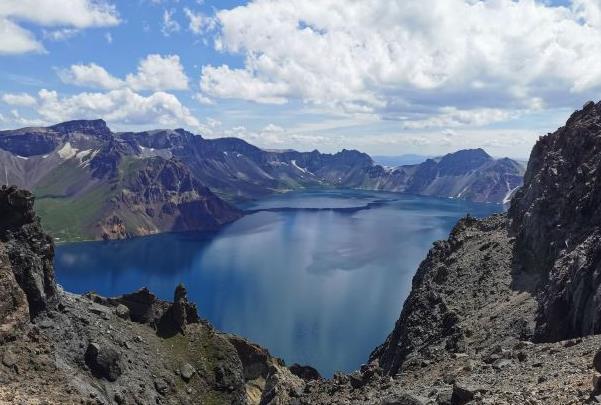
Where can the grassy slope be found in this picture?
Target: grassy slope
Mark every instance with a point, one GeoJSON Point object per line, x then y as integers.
{"type": "Point", "coordinates": [68, 209]}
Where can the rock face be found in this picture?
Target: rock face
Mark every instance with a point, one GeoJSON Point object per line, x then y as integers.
{"type": "Point", "coordinates": [25, 250]}
{"type": "Point", "coordinates": [556, 218]}
{"type": "Point", "coordinates": [92, 184]}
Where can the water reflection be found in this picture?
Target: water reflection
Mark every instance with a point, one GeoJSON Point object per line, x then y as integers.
{"type": "Point", "coordinates": [320, 287]}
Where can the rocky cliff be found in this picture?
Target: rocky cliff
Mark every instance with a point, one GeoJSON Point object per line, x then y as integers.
{"type": "Point", "coordinates": [556, 219]}
{"type": "Point", "coordinates": [61, 348]}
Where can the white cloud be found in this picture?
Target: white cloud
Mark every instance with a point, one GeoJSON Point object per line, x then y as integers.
{"type": "Point", "coordinates": [90, 75]}
{"type": "Point", "coordinates": [157, 72]}
{"type": "Point", "coordinates": [199, 23]}
{"type": "Point", "coordinates": [61, 34]}
{"type": "Point", "coordinates": [240, 83]}
{"type": "Point", "coordinates": [202, 99]}
{"type": "Point", "coordinates": [452, 62]}
{"type": "Point", "coordinates": [169, 25]}
{"type": "Point", "coordinates": [15, 39]}
{"type": "Point", "coordinates": [19, 99]}
{"type": "Point", "coordinates": [109, 38]}
{"type": "Point", "coordinates": [122, 106]}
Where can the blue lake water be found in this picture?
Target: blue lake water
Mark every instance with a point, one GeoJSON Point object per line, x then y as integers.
{"type": "Point", "coordinates": [318, 278]}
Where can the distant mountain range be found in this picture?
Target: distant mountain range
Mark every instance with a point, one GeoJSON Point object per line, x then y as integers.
{"type": "Point", "coordinates": [91, 183]}
{"type": "Point", "coordinates": [399, 160]}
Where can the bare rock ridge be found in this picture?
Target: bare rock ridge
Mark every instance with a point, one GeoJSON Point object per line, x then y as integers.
{"type": "Point", "coordinates": [26, 250]}
{"type": "Point", "coordinates": [119, 185]}
{"type": "Point", "coordinates": [61, 348]}
{"type": "Point", "coordinates": [556, 217]}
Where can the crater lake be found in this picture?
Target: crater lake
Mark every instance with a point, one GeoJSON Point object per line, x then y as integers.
{"type": "Point", "coordinates": [317, 277]}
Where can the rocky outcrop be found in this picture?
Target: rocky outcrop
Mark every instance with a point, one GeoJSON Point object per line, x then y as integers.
{"type": "Point", "coordinates": [444, 313]}
{"type": "Point", "coordinates": [556, 218]}
{"type": "Point", "coordinates": [158, 195]}
{"type": "Point", "coordinates": [26, 250]}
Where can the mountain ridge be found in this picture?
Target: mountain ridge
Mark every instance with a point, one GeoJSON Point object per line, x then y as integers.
{"type": "Point", "coordinates": [84, 164]}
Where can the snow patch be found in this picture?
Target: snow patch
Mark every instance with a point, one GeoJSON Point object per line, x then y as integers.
{"type": "Point", "coordinates": [83, 154]}
{"type": "Point", "coordinates": [22, 157]}
{"type": "Point", "coordinates": [67, 151]}
{"type": "Point", "coordinates": [507, 197]}
{"type": "Point", "coordinates": [298, 167]}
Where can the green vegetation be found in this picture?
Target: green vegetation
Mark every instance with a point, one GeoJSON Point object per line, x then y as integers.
{"type": "Point", "coordinates": [68, 176]}
{"type": "Point", "coordinates": [73, 218]}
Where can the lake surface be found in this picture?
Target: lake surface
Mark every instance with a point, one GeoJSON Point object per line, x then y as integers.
{"type": "Point", "coordinates": [318, 278]}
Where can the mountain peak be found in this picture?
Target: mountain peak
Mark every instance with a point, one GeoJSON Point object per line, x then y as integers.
{"type": "Point", "coordinates": [97, 127]}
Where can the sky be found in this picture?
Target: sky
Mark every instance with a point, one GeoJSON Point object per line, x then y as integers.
{"type": "Point", "coordinates": [387, 77]}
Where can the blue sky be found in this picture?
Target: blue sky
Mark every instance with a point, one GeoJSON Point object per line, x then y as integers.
{"type": "Point", "coordinates": [382, 76]}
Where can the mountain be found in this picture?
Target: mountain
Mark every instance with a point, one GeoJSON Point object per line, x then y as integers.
{"type": "Point", "coordinates": [400, 160]}
{"type": "Point", "coordinates": [91, 183]}
{"type": "Point", "coordinates": [470, 174]}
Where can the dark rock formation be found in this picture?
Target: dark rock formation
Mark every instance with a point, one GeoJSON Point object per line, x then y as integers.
{"type": "Point", "coordinates": [104, 362]}
{"type": "Point", "coordinates": [28, 251]}
{"type": "Point", "coordinates": [307, 373]}
{"type": "Point", "coordinates": [556, 217]}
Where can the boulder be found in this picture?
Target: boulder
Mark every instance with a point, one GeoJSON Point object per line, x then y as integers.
{"type": "Point", "coordinates": [186, 371]}
{"type": "Point", "coordinates": [103, 361]}
{"type": "Point", "coordinates": [306, 373]}
{"type": "Point", "coordinates": [122, 311]}
{"type": "Point", "coordinates": [404, 399]}
{"type": "Point", "coordinates": [9, 359]}
{"type": "Point", "coordinates": [464, 392]}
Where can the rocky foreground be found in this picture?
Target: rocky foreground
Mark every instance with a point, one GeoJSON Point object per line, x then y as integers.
{"type": "Point", "coordinates": [503, 312]}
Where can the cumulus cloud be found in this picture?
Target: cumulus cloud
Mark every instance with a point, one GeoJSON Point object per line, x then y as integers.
{"type": "Point", "coordinates": [15, 39]}
{"type": "Point", "coordinates": [90, 75]}
{"type": "Point", "coordinates": [155, 72]}
{"type": "Point", "coordinates": [19, 99]}
{"type": "Point", "coordinates": [432, 62]}
{"type": "Point", "coordinates": [121, 106]}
